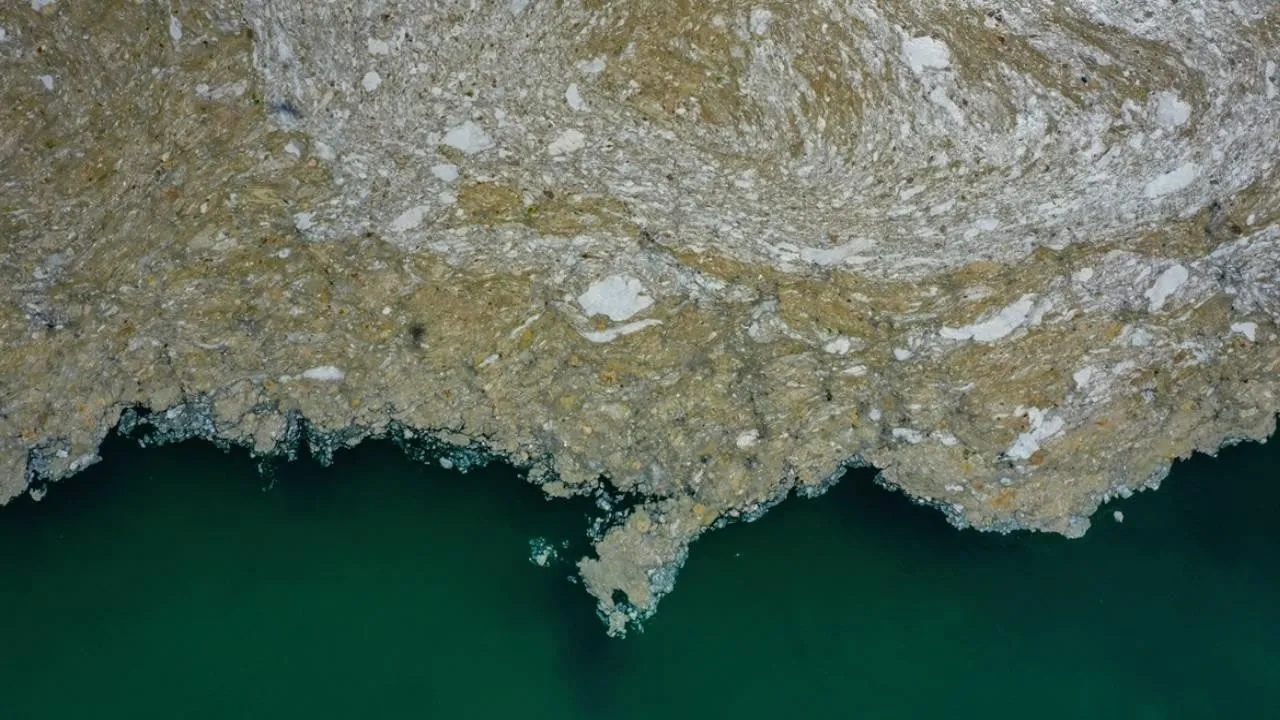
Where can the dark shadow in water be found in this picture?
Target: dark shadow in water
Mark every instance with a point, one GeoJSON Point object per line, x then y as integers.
{"type": "Point", "coordinates": [590, 660]}
{"type": "Point", "coordinates": [587, 658]}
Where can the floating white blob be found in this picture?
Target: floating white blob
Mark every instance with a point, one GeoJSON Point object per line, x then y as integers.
{"type": "Point", "coordinates": [923, 53]}
{"type": "Point", "coordinates": [851, 253]}
{"type": "Point", "coordinates": [747, 439]}
{"type": "Point", "coordinates": [1166, 285]}
{"type": "Point", "coordinates": [1010, 318]}
{"type": "Point", "coordinates": [46, 81]}
{"type": "Point", "coordinates": [175, 28]}
{"type": "Point", "coordinates": [909, 434]}
{"type": "Point", "coordinates": [371, 81]}
{"type": "Point", "coordinates": [839, 346]}
{"type": "Point", "coordinates": [760, 21]}
{"type": "Point", "coordinates": [409, 219]}
{"type": "Point", "coordinates": [445, 172]}
{"type": "Point", "coordinates": [1082, 377]}
{"type": "Point", "coordinates": [1042, 428]}
{"type": "Point", "coordinates": [1171, 110]}
{"type": "Point", "coordinates": [469, 138]}
{"type": "Point", "coordinates": [1139, 338]}
{"type": "Point", "coordinates": [1247, 329]}
{"type": "Point", "coordinates": [377, 47]}
{"type": "Point", "coordinates": [1171, 182]}
{"type": "Point", "coordinates": [574, 98]}
{"type": "Point", "coordinates": [39, 5]}
{"type": "Point", "coordinates": [980, 226]}
{"type": "Point", "coordinates": [618, 296]}
{"type": "Point", "coordinates": [613, 333]}
{"type": "Point", "coordinates": [324, 373]}
{"type": "Point", "coordinates": [567, 142]}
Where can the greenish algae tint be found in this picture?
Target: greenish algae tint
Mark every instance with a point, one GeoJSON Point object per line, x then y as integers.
{"type": "Point", "coordinates": [175, 583]}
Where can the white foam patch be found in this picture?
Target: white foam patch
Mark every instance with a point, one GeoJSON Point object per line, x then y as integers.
{"type": "Point", "coordinates": [594, 66]}
{"type": "Point", "coordinates": [1171, 182]}
{"type": "Point", "coordinates": [852, 252]}
{"type": "Point", "coordinates": [760, 21]}
{"type": "Point", "coordinates": [611, 334]}
{"type": "Point", "coordinates": [39, 5]}
{"type": "Point", "coordinates": [923, 53]}
{"type": "Point", "coordinates": [46, 81]}
{"type": "Point", "coordinates": [1166, 285]}
{"type": "Point", "coordinates": [371, 81]}
{"type": "Point", "coordinates": [1042, 428]}
{"type": "Point", "coordinates": [1247, 329]}
{"type": "Point", "coordinates": [175, 28]}
{"type": "Point", "coordinates": [1008, 319]}
{"type": "Point", "coordinates": [939, 97]}
{"type": "Point", "coordinates": [1171, 110]}
{"type": "Point", "coordinates": [839, 346]}
{"type": "Point", "coordinates": [1083, 377]}
{"type": "Point", "coordinates": [911, 435]}
{"type": "Point", "coordinates": [409, 219]}
{"type": "Point", "coordinates": [980, 226]}
{"type": "Point", "coordinates": [574, 97]}
{"type": "Point", "coordinates": [324, 373]}
{"type": "Point", "coordinates": [447, 173]}
{"type": "Point", "coordinates": [469, 138]}
{"type": "Point", "coordinates": [377, 47]}
{"type": "Point", "coordinates": [618, 297]}
{"type": "Point", "coordinates": [567, 142]}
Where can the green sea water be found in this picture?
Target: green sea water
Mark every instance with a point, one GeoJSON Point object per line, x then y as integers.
{"type": "Point", "coordinates": [177, 582]}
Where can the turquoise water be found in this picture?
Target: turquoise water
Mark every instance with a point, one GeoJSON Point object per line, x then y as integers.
{"type": "Point", "coordinates": [174, 583]}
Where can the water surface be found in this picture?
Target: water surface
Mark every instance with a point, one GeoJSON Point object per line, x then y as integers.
{"type": "Point", "coordinates": [178, 582]}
